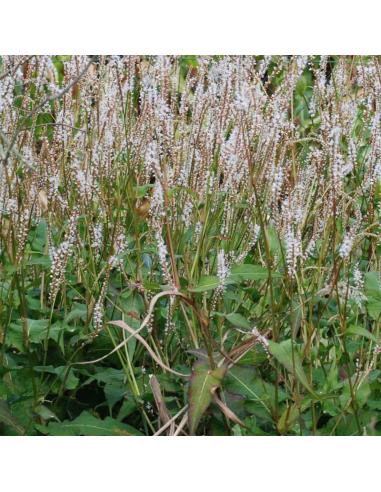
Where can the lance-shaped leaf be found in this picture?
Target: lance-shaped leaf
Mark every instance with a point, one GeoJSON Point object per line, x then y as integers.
{"type": "Point", "coordinates": [8, 419]}
{"type": "Point", "coordinates": [200, 395]}
{"type": "Point", "coordinates": [357, 330]}
{"type": "Point", "coordinates": [240, 273]}
{"type": "Point", "coordinates": [209, 282]}
{"type": "Point", "coordinates": [238, 320]}
{"type": "Point", "coordinates": [288, 356]}
{"type": "Point", "coordinates": [88, 425]}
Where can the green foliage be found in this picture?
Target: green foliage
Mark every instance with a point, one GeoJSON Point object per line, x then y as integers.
{"type": "Point", "coordinates": [88, 425]}
{"type": "Point", "coordinates": [287, 354]}
{"type": "Point", "coordinates": [200, 395]}
{"type": "Point", "coordinates": [213, 231]}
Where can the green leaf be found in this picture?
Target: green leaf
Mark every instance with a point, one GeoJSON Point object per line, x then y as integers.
{"type": "Point", "coordinates": [128, 407]}
{"type": "Point", "coordinates": [79, 312]}
{"type": "Point", "coordinates": [6, 294]}
{"type": "Point", "coordinates": [5, 369]}
{"type": "Point", "coordinates": [357, 330]}
{"type": "Point", "coordinates": [200, 396]}
{"type": "Point", "coordinates": [254, 357]}
{"type": "Point", "coordinates": [361, 395]}
{"type": "Point", "coordinates": [288, 357]}
{"type": "Point", "coordinates": [288, 419]}
{"type": "Point", "coordinates": [331, 380]}
{"type": "Point", "coordinates": [44, 261]}
{"type": "Point", "coordinates": [240, 273]}
{"type": "Point", "coordinates": [372, 284]}
{"type": "Point", "coordinates": [40, 237]}
{"type": "Point", "coordinates": [33, 304]}
{"type": "Point", "coordinates": [238, 320]}
{"type": "Point", "coordinates": [260, 395]}
{"type": "Point", "coordinates": [245, 382]}
{"type": "Point", "coordinates": [88, 425]}
{"type": "Point", "coordinates": [8, 419]}
{"type": "Point", "coordinates": [37, 330]}
{"type": "Point", "coordinates": [113, 395]}
{"type": "Point", "coordinates": [209, 282]}
{"type": "Point", "coordinates": [290, 416]}
{"type": "Point", "coordinates": [373, 307]}
{"type": "Point", "coordinates": [47, 414]}
{"type": "Point", "coordinates": [71, 380]}
{"type": "Point", "coordinates": [142, 190]}
{"type": "Point", "coordinates": [301, 86]}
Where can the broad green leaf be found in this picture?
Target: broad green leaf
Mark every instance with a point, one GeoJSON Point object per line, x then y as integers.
{"type": "Point", "coordinates": [357, 330]}
{"type": "Point", "coordinates": [240, 273]}
{"type": "Point", "coordinates": [128, 407]}
{"type": "Point", "coordinates": [8, 419]}
{"type": "Point", "coordinates": [372, 284]}
{"type": "Point", "coordinates": [289, 358]}
{"type": "Point", "coordinates": [37, 330]}
{"type": "Point", "coordinates": [40, 236]}
{"type": "Point", "coordinates": [361, 395]}
{"type": "Point", "coordinates": [209, 282]}
{"type": "Point", "coordinates": [200, 396]}
{"type": "Point", "coordinates": [374, 404]}
{"type": "Point", "coordinates": [88, 425]}
{"type": "Point", "coordinates": [238, 320]}
{"type": "Point", "coordinates": [79, 312]}
{"type": "Point", "coordinates": [71, 380]}
{"type": "Point", "coordinates": [244, 382]}
{"type": "Point", "coordinates": [373, 293]}
{"type": "Point", "coordinates": [6, 293]}
{"type": "Point", "coordinates": [33, 304]}
{"type": "Point", "coordinates": [109, 376]}
{"type": "Point", "coordinates": [235, 297]}
{"type": "Point", "coordinates": [43, 260]}
{"type": "Point", "coordinates": [260, 396]}
{"type": "Point", "coordinates": [113, 395]}
{"type": "Point", "coordinates": [373, 307]}
{"type": "Point", "coordinates": [132, 307]}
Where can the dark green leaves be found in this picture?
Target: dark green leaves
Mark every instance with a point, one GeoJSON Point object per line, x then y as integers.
{"type": "Point", "coordinates": [88, 425]}
{"type": "Point", "coordinates": [8, 419]}
{"type": "Point", "coordinates": [288, 356]}
{"type": "Point", "coordinates": [37, 330]}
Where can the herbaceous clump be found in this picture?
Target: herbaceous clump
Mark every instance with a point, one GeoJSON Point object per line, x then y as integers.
{"type": "Point", "coordinates": [190, 244]}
